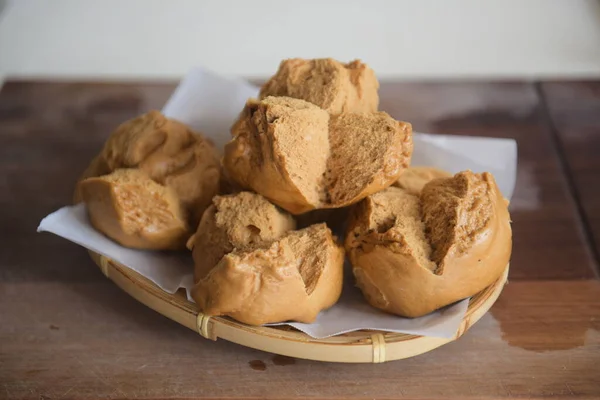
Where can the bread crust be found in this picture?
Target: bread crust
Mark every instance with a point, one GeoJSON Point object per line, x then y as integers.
{"type": "Point", "coordinates": [414, 178]}
{"type": "Point", "coordinates": [239, 221]}
{"type": "Point", "coordinates": [301, 159]}
{"type": "Point", "coordinates": [404, 261]}
{"type": "Point", "coordinates": [253, 266]}
{"type": "Point", "coordinates": [333, 86]}
{"type": "Point", "coordinates": [265, 285]}
{"type": "Point", "coordinates": [170, 154]}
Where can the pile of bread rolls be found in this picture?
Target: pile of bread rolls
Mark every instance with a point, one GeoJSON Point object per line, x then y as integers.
{"type": "Point", "coordinates": [312, 153]}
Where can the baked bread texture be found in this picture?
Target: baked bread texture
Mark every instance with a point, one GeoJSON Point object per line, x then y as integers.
{"type": "Point", "coordinates": [263, 271]}
{"type": "Point", "coordinates": [301, 159]}
{"type": "Point", "coordinates": [133, 210]}
{"type": "Point", "coordinates": [168, 153]}
{"type": "Point", "coordinates": [240, 221]}
{"type": "Point", "coordinates": [333, 86]}
{"type": "Point", "coordinates": [414, 253]}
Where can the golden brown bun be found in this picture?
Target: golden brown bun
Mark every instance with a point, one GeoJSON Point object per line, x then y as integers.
{"type": "Point", "coordinates": [135, 211]}
{"type": "Point", "coordinates": [239, 221]}
{"type": "Point", "coordinates": [412, 254]}
{"type": "Point", "coordinates": [414, 178]}
{"type": "Point", "coordinates": [170, 154]}
{"type": "Point", "coordinates": [333, 86]}
{"type": "Point", "coordinates": [294, 278]}
{"type": "Point", "coordinates": [294, 154]}
{"type": "Point", "coordinates": [252, 266]}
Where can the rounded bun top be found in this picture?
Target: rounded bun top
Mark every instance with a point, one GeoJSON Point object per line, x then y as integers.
{"type": "Point", "coordinates": [333, 86]}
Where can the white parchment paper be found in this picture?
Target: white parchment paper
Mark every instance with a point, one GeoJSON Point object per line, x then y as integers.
{"type": "Point", "coordinates": [209, 104]}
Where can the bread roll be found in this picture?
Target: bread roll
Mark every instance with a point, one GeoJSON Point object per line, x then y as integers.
{"type": "Point", "coordinates": [133, 210]}
{"type": "Point", "coordinates": [412, 254]}
{"type": "Point", "coordinates": [251, 265]}
{"type": "Point", "coordinates": [296, 155]}
{"type": "Point", "coordinates": [292, 279]}
{"type": "Point", "coordinates": [335, 87]}
{"type": "Point", "coordinates": [168, 153]}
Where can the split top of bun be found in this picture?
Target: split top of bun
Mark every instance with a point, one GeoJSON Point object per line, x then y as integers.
{"type": "Point", "coordinates": [413, 254]}
{"type": "Point", "coordinates": [333, 86]}
{"type": "Point", "coordinates": [252, 266]}
{"type": "Point", "coordinates": [293, 279]}
{"type": "Point", "coordinates": [301, 158]}
{"type": "Point", "coordinates": [169, 153]}
{"type": "Point", "coordinates": [240, 221]}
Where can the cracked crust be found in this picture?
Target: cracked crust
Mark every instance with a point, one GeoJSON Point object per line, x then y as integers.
{"type": "Point", "coordinates": [412, 254]}
{"type": "Point", "coordinates": [333, 86]}
{"type": "Point", "coordinates": [251, 265]}
{"type": "Point", "coordinates": [240, 221]}
{"type": "Point", "coordinates": [167, 152]}
{"type": "Point", "coordinates": [296, 155]}
{"type": "Point", "coordinates": [292, 279]}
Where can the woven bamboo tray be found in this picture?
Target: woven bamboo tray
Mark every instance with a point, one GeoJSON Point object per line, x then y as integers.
{"type": "Point", "coordinates": [353, 347]}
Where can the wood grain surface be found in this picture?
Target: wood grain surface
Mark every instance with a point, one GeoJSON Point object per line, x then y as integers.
{"type": "Point", "coordinates": [574, 109]}
{"type": "Point", "coordinates": [67, 332]}
{"type": "Point", "coordinates": [84, 340]}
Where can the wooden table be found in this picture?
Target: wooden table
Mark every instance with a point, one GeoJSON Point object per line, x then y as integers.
{"type": "Point", "coordinates": [67, 332]}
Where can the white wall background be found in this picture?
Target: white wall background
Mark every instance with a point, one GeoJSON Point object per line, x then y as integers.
{"type": "Point", "coordinates": [405, 39]}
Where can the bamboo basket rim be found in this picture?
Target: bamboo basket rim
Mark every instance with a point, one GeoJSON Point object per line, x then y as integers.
{"type": "Point", "coordinates": [362, 346]}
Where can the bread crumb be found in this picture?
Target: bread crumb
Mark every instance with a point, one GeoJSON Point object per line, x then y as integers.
{"type": "Point", "coordinates": [445, 218]}
{"type": "Point", "coordinates": [293, 278]}
{"type": "Point", "coordinates": [414, 253]}
{"type": "Point", "coordinates": [242, 221]}
{"type": "Point", "coordinates": [366, 150]}
{"type": "Point", "coordinates": [291, 152]}
{"type": "Point", "coordinates": [135, 211]}
{"type": "Point", "coordinates": [455, 211]}
{"type": "Point", "coordinates": [280, 150]}
{"type": "Point", "coordinates": [169, 153]}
